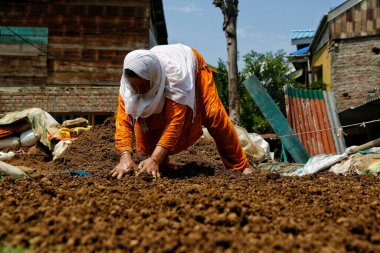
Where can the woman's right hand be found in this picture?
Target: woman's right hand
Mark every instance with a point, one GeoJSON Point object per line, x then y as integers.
{"type": "Point", "coordinates": [125, 166]}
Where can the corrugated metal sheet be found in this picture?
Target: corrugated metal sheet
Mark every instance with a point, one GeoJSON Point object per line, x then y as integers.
{"type": "Point", "coordinates": [367, 111]}
{"type": "Point", "coordinates": [301, 51]}
{"type": "Point", "coordinates": [302, 34]}
{"type": "Point", "coordinates": [332, 111]}
{"type": "Point", "coordinates": [314, 121]}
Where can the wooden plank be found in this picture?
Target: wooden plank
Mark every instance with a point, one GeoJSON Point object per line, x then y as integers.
{"type": "Point", "coordinates": [22, 81]}
{"type": "Point", "coordinates": [343, 24]}
{"type": "Point", "coordinates": [75, 67]}
{"type": "Point", "coordinates": [140, 3]}
{"type": "Point", "coordinates": [377, 15]}
{"type": "Point", "coordinates": [350, 23]}
{"type": "Point", "coordinates": [21, 50]}
{"type": "Point", "coordinates": [94, 75]}
{"type": "Point", "coordinates": [338, 27]}
{"type": "Point", "coordinates": [107, 46]}
{"type": "Point", "coordinates": [96, 41]}
{"type": "Point", "coordinates": [87, 78]}
{"type": "Point", "coordinates": [88, 64]}
{"type": "Point", "coordinates": [95, 20]}
{"type": "Point", "coordinates": [87, 55]}
{"type": "Point", "coordinates": [370, 18]}
{"type": "Point", "coordinates": [277, 120]}
{"type": "Point", "coordinates": [34, 61]}
{"type": "Point", "coordinates": [363, 31]}
{"type": "Point", "coordinates": [22, 70]}
{"type": "Point", "coordinates": [357, 20]}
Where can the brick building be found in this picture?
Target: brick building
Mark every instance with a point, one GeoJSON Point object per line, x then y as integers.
{"type": "Point", "coordinates": [66, 56]}
{"type": "Point", "coordinates": [344, 52]}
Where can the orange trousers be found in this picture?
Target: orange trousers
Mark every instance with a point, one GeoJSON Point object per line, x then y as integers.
{"type": "Point", "coordinates": [176, 130]}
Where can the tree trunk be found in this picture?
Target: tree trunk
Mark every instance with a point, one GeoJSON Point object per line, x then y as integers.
{"type": "Point", "coordinates": [230, 12]}
{"type": "Point", "coordinates": [233, 99]}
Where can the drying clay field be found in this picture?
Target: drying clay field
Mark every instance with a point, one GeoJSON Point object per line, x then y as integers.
{"type": "Point", "coordinates": [197, 207]}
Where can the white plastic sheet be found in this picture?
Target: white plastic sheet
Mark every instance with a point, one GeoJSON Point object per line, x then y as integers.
{"type": "Point", "coordinates": [59, 148]}
{"type": "Point", "coordinates": [10, 141]}
{"type": "Point", "coordinates": [318, 163]}
{"type": "Point", "coordinates": [28, 138]}
{"type": "Point", "coordinates": [6, 155]}
{"type": "Point", "coordinates": [252, 143]}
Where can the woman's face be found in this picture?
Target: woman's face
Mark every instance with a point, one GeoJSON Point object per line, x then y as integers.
{"type": "Point", "coordinates": [139, 85]}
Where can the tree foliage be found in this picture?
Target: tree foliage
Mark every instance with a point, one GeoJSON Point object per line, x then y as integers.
{"type": "Point", "coordinates": [221, 81]}
{"type": "Point", "coordinates": [272, 70]}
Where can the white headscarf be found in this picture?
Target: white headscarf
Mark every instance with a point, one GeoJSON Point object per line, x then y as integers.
{"type": "Point", "coordinates": [171, 71]}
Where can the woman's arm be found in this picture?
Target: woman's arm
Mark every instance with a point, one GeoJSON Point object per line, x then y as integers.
{"type": "Point", "coordinates": [123, 141]}
{"type": "Point", "coordinates": [124, 128]}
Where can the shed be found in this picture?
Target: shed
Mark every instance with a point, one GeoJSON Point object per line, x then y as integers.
{"type": "Point", "coordinates": [66, 56]}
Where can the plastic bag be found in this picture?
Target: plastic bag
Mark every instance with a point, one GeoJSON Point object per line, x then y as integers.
{"type": "Point", "coordinates": [6, 156]}
{"type": "Point", "coordinates": [319, 163]}
{"type": "Point", "coordinates": [9, 142]}
{"type": "Point", "coordinates": [28, 138]}
{"type": "Point", "coordinates": [11, 170]}
{"type": "Point", "coordinates": [252, 143]}
{"type": "Point", "coordinates": [59, 148]}
{"type": "Point", "coordinates": [259, 141]}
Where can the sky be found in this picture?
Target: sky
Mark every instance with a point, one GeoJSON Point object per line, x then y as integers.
{"type": "Point", "coordinates": [262, 25]}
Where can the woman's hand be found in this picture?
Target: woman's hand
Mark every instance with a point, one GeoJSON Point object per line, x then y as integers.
{"type": "Point", "coordinates": [151, 166]}
{"type": "Point", "coordinates": [125, 166]}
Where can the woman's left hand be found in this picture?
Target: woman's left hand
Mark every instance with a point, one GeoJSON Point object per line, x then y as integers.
{"type": "Point", "coordinates": [150, 166]}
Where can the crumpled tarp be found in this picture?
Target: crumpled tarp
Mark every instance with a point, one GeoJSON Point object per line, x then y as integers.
{"type": "Point", "coordinates": [318, 163]}
{"type": "Point", "coordinates": [44, 126]}
{"type": "Point", "coordinates": [252, 144]}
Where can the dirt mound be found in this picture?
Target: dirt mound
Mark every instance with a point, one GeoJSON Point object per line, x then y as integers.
{"type": "Point", "coordinates": [199, 207]}
{"type": "Point", "coordinates": [95, 152]}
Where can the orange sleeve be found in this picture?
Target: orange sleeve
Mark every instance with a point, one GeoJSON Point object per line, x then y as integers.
{"type": "Point", "coordinates": [124, 128]}
{"type": "Point", "coordinates": [175, 114]}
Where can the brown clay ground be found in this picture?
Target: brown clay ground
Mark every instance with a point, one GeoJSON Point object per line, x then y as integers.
{"type": "Point", "coordinates": [200, 207]}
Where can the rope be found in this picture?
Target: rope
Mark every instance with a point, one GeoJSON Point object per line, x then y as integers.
{"type": "Point", "coordinates": [340, 129]}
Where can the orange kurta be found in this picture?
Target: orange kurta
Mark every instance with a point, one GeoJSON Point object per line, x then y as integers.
{"type": "Point", "coordinates": [174, 129]}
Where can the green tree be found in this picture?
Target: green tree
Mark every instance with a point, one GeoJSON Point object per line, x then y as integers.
{"type": "Point", "coordinates": [221, 82]}
{"type": "Point", "coordinates": [272, 70]}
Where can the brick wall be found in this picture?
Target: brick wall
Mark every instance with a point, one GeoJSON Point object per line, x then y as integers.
{"type": "Point", "coordinates": [55, 99]}
{"type": "Point", "coordinates": [355, 71]}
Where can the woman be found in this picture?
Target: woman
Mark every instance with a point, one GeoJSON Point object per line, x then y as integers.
{"type": "Point", "coordinates": [166, 94]}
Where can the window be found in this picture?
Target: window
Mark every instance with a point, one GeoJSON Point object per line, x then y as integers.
{"type": "Point", "coordinates": [317, 73]}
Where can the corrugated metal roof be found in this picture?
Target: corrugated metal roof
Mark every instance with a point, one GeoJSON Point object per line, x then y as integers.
{"type": "Point", "coordinates": [367, 111]}
{"type": "Point", "coordinates": [301, 51]}
{"type": "Point", "coordinates": [313, 121]}
{"type": "Point", "coordinates": [372, 101]}
{"type": "Point", "coordinates": [302, 34]}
